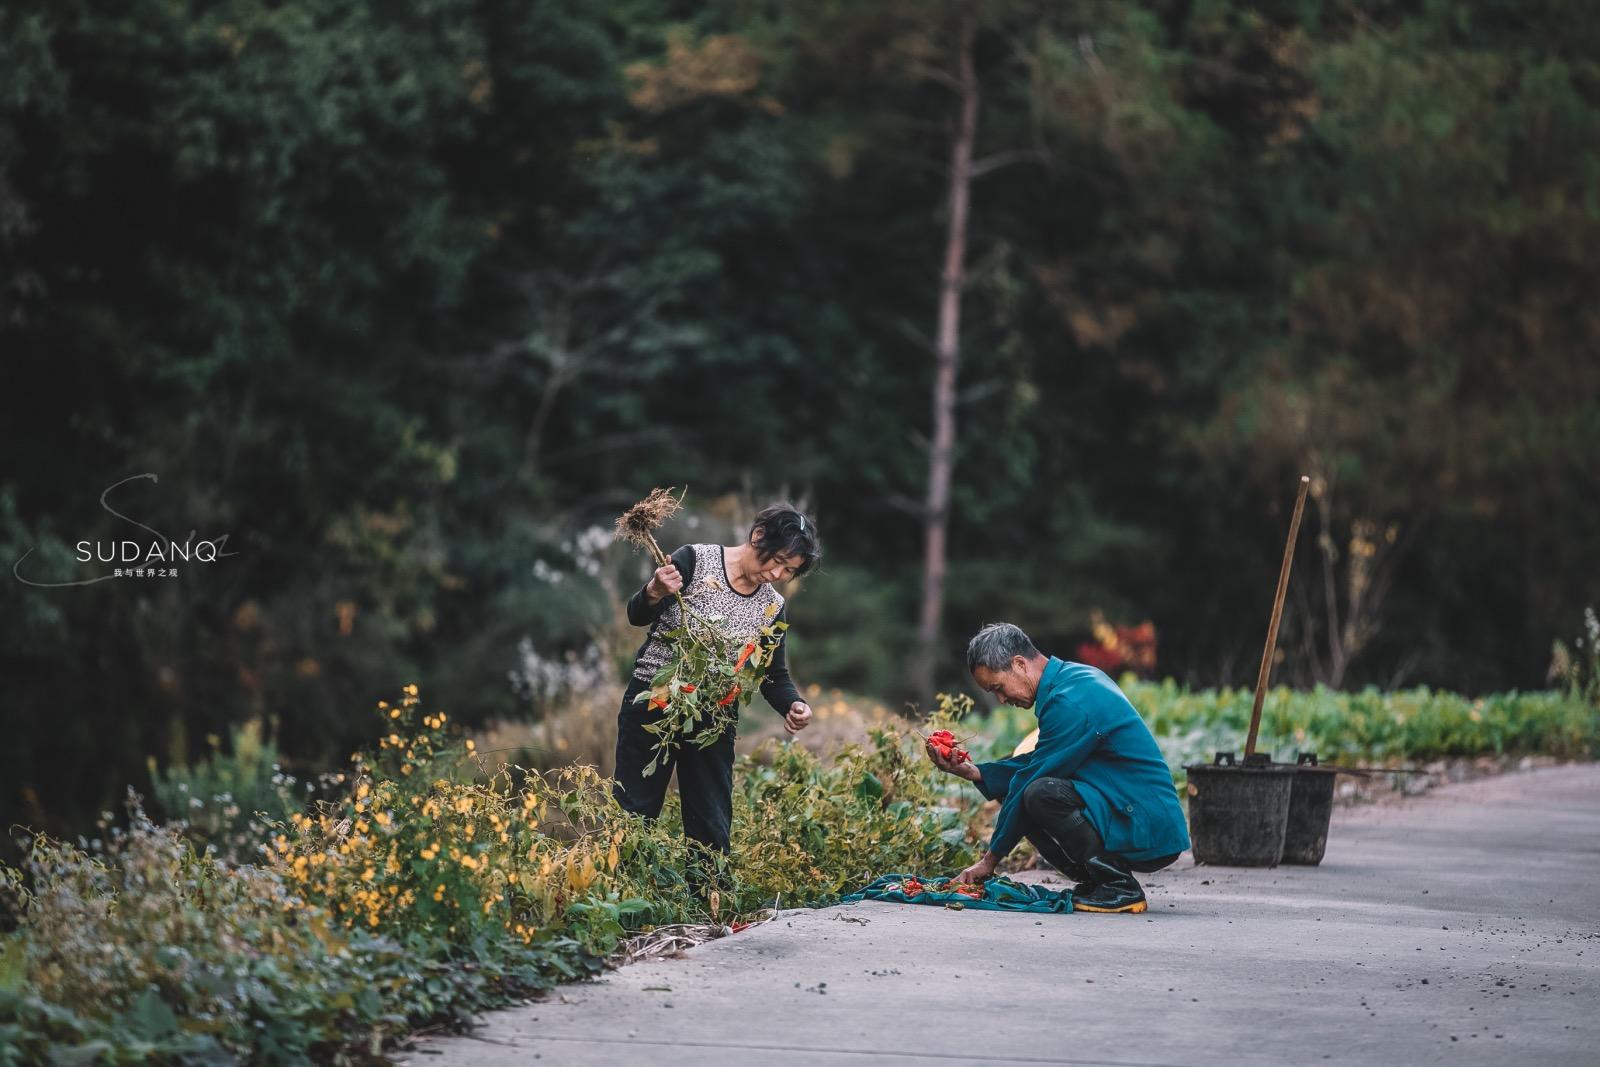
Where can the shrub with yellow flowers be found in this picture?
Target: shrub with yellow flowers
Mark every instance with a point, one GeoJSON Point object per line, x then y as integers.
{"type": "Point", "coordinates": [430, 843]}
{"type": "Point", "coordinates": [435, 885]}
{"type": "Point", "coordinates": [139, 947]}
{"type": "Point", "coordinates": [431, 882]}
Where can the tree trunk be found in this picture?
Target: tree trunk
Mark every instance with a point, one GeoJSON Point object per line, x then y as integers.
{"type": "Point", "coordinates": [941, 456]}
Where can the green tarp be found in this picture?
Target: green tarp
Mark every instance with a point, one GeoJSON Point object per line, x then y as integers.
{"type": "Point", "coordinates": [998, 894]}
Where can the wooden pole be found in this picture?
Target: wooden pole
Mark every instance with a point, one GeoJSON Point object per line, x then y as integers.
{"type": "Point", "coordinates": [1277, 613]}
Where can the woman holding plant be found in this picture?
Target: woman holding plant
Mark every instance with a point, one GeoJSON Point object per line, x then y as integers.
{"type": "Point", "coordinates": [716, 637]}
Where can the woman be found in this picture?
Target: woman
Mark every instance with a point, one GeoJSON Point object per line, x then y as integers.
{"type": "Point", "coordinates": [736, 583]}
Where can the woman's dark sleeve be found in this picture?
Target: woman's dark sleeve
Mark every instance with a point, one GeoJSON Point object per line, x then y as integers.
{"type": "Point", "coordinates": [777, 686]}
{"type": "Point", "coordinates": [640, 611]}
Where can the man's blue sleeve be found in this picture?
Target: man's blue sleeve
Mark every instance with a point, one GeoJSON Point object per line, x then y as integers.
{"type": "Point", "coordinates": [1066, 738]}
{"type": "Point", "coordinates": [996, 776]}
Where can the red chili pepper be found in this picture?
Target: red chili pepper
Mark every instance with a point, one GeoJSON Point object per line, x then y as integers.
{"type": "Point", "coordinates": [656, 703]}
{"type": "Point", "coordinates": [733, 694]}
{"type": "Point", "coordinates": [744, 654]}
{"type": "Point", "coordinates": [688, 688]}
{"type": "Point", "coordinates": [944, 743]}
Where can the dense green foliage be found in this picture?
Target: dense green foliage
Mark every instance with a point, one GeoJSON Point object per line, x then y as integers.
{"type": "Point", "coordinates": [426, 888]}
{"type": "Point", "coordinates": [422, 891]}
{"type": "Point", "coordinates": [1354, 728]}
{"type": "Point", "coordinates": [228, 798]}
{"type": "Point", "coordinates": [403, 298]}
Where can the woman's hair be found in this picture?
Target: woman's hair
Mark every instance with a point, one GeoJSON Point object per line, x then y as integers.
{"type": "Point", "coordinates": [783, 529]}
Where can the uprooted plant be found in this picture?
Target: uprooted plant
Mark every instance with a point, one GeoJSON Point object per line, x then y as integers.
{"type": "Point", "coordinates": [708, 675]}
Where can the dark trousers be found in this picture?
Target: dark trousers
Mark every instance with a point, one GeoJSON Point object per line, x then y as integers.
{"type": "Point", "coordinates": [1056, 823]}
{"type": "Point", "coordinates": [705, 775]}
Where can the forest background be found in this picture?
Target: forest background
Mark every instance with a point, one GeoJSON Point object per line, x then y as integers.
{"type": "Point", "coordinates": [1039, 309]}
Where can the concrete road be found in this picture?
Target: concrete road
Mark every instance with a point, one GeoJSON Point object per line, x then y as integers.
{"type": "Point", "coordinates": [1459, 928]}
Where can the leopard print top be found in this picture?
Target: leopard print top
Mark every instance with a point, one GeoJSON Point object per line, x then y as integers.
{"type": "Point", "coordinates": [709, 592]}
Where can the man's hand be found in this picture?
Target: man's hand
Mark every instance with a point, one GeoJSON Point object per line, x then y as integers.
{"type": "Point", "coordinates": [981, 871]}
{"type": "Point", "coordinates": [663, 583]}
{"type": "Point", "coordinates": [799, 717]}
{"type": "Point", "coordinates": [965, 769]}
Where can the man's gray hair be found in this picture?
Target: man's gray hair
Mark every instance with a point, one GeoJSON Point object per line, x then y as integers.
{"type": "Point", "coordinates": [996, 644]}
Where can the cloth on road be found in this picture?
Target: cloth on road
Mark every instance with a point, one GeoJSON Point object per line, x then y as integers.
{"type": "Point", "coordinates": [997, 894]}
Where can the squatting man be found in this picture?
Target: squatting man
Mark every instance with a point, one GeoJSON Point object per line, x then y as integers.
{"type": "Point", "coordinates": [1094, 797]}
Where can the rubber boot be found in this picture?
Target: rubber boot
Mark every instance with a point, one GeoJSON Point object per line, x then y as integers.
{"type": "Point", "coordinates": [1114, 887]}
{"type": "Point", "coordinates": [1104, 882]}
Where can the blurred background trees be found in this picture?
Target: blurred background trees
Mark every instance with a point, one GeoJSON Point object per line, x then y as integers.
{"type": "Point", "coordinates": [406, 299]}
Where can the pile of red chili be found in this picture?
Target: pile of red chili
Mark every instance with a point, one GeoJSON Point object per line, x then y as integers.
{"type": "Point", "coordinates": [912, 887]}
{"type": "Point", "coordinates": [944, 743]}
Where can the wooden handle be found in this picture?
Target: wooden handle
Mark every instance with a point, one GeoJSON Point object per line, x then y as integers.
{"type": "Point", "coordinates": [1277, 613]}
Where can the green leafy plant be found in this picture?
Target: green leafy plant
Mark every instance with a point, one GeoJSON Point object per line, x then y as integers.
{"type": "Point", "coordinates": [1370, 725]}
{"type": "Point", "coordinates": [146, 949]}
{"type": "Point", "coordinates": [708, 676]}
{"type": "Point", "coordinates": [230, 798]}
{"type": "Point", "coordinates": [704, 683]}
{"type": "Point", "coordinates": [419, 888]}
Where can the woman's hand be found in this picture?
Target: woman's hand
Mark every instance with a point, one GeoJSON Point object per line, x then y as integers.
{"type": "Point", "coordinates": [799, 717]}
{"type": "Point", "coordinates": [663, 583]}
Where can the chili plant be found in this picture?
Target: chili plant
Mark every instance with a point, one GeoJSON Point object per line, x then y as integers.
{"type": "Point", "coordinates": [709, 675]}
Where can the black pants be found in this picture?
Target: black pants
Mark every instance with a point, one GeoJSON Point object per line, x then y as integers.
{"type": "Point", "coordinates": [1056, 823]}
{"type": "Point", "coordinates": [705, 775]}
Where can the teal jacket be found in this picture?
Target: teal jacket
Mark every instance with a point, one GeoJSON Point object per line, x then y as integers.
{"type": "Point", "coordinates": [1090, 733]}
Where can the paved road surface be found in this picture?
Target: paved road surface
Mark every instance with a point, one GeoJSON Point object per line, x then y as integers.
{"type": "Point", "coordinates": [1462, 927]}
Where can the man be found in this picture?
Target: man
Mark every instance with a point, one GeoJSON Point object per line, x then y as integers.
{"type": "Point", "coordinates": [1094, 797]}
